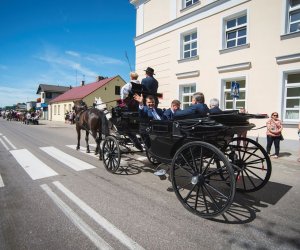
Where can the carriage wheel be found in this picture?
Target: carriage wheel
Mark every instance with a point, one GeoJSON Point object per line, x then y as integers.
{"type": "Point", "coordinates": [111, 154]}
{"type": "Point", "coordinates": [196, 175]}
{"type": "Point", "coordinates": [250, 162]}
{"type": "Point", "coordinates": [151, 159]}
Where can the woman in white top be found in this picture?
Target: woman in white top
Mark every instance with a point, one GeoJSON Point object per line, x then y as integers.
{"type": "Point", "coordinates": [125, 90]}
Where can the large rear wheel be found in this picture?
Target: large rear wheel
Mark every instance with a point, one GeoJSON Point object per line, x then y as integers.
{"type": "Point", "coordinates": [251, 164]}
{"type": "Point", "coordinates": [196, 174]}
{"type": "Point", "coordinates": [111, 154]}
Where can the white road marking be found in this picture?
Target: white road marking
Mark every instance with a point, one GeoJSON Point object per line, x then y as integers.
{"type": "Point", "coordinates": [123, 238]}
{"type": "Point", "coordinates": [76, 220]}
{"type": "Point", "coordinates": [3, 143]}
{"type": "Point", "coordinates": [66, 159]}
{"type": "Point", "coordinates": [1, 182]}
{"type": "Point", "coordinates": [83, 150]}
{"type": "Point", "coordinates": [34, 167]}
{"type": "Point", "coordinates": [0, 134]}
{"type": "Point", "coordinates": [8, 141]}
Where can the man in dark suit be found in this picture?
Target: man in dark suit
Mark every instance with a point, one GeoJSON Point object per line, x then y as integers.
{"type": "Point", "coordinates": [198, 107]}
{"type": "Point", "coordinates": [149, 110]}
{"type": "Point", "coordinates": [150, 84]}
{"type": "Point", "coordinates": [169, 113]}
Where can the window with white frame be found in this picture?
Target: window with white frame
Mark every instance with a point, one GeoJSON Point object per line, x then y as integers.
{"type": "Point", "coordinates": [187, 3]}
{"type": "Point", "coordinates": [292, 97]}
{"type": "Point", "coordinates": [58, 109]}
{"type": "Point", "coordinates": [55, 108]}
{"type": "Point", "coordinates": [234, 103]}
{"type": "Point", "coordinates": [293, 16]}
{"type": "Point", "coordinates": [185, 94]}
{"type": "Point", "coordinates": [189, 45]}
{"type": "Point", "coordinates": [235, 31]}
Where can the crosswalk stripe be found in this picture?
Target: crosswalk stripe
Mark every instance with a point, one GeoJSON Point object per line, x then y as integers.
{"type": "Point", "coordinates": [4, 144]}
{"type": "Point", "coordinates": [124, 159]}
{"type": "Point", "coordinates": [100, 220]}
{"type": "Point", "coordinates": [66, 159]}
{"type": "Point", "coordinates": [9, 142]}
{"type": "Point", "coordinates": [34, 167]}
{"type": "Point", "coordinates": [76, 220]}
{"type": "Point", "coordinates": [1, 182]}
{"type": "Point", "coordinates": [83, 150]}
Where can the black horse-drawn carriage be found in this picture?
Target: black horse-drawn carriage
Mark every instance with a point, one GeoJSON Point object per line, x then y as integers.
{"type": "Point", "coordinates": [207, 163]}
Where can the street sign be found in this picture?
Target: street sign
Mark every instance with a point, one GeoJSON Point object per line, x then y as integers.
{"type": "Point", "coordinates": [235, 90]}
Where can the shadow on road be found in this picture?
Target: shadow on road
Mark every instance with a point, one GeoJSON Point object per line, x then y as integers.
{"type": "Point", "coordinates": [246, 205]}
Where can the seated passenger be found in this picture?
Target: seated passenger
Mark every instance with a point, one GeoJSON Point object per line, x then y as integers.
{"type": "Point", "coordinates": [214, 106]}
{"type": "Point", "coordinates": [148, 110]}
{"type": "Point", "coordinates": [169, 113]}
{"type": "Point", "coordinates": [198, 107]}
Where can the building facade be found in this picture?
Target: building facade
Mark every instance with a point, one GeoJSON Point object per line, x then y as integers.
{"type": "Point", "coordinates": [108, 89]}
{"type": "Point", "coordinates": [48, 92]}
{"type": "Point", "coordinates": [205, 45]}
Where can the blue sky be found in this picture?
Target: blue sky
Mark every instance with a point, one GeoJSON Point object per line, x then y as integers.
{"type": "Point", "coordinates": [52, 41]}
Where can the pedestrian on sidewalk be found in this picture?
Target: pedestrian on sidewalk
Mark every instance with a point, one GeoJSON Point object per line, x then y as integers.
{"type": "Point", "coordinates": [274, 128]}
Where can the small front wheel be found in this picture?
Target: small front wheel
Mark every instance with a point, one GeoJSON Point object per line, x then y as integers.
{"type": "Point", "coordinates": [111, 154]}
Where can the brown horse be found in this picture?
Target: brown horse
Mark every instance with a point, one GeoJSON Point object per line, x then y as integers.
{"type": "Point", "coordinates": [92, 121]}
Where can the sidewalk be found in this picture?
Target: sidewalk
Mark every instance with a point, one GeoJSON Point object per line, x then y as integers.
{"type": "Point", "coordinates": [56, 124]}
{"type": "Point", "coordinates": [289, 149]}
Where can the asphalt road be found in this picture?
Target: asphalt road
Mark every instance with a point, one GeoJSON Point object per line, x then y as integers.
{"type": "Point", "coordinates": [74, 203]}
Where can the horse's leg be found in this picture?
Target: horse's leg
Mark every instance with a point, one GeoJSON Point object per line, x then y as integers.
{"type": "Point", "coordinates": [87, 141]}
{"type": "Point", "coordinates": [100, 151]}
{"type": "Point", "coordinates": [94, 134]}
{"type": "Point", "coordinates": [78, 137]}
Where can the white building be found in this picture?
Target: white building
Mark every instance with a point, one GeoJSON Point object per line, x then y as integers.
{"type": "Point", "coordinates": [204, 45]}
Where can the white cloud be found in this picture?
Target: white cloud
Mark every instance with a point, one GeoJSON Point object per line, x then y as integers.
{"type": "Point", "coordinates": [10, 96]}
{"type": "Point", "coordinates": [72, 53]}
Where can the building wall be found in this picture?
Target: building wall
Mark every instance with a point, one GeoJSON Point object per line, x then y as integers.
{"type": "Point", "coordinates": [107, 93]}
{"type": "Point", "coordinates": [262, 62]}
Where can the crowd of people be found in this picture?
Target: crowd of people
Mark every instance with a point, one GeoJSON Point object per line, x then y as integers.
{"type": "Point", "coordinates": [70, 117]}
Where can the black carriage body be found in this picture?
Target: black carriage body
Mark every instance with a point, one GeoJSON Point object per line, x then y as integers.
{"type": "Point", "coordinates": [125, 121]}
{"type": "Point", "coordinates": [166, 137]}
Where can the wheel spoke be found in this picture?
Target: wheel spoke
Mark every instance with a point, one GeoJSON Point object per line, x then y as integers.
{"type": "Point", "coordinates": [212, 198]}
{"type": "Point", "coordinates": [193, 159]}
{"type": "Point", "coordinates": [187, 162]}
{"type": "Point", "coordinates": [215, 189]}
{"type": "Point", "coordinates": [189, 193]}
{"type": "Point", "coordinates": [250, 179]}
{"type": "Point", "coordinates": [204, 199]}
{"type": "Point", "coordinates": [181, 167]}
{"type": "Point", "coordinates": [255, 174]}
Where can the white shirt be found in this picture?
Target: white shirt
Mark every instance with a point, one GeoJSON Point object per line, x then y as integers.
{"type": "Point", "coordinates": [126, 89]}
